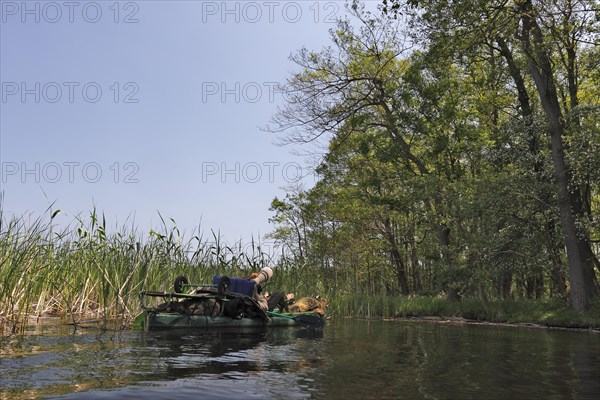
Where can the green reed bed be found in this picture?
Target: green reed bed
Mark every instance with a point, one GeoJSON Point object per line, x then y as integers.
{"type": "Point", "coordinates": [81, 272]}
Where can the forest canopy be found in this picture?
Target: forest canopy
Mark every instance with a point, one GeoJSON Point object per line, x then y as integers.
{"type": "Point", "coordinates": [462, 151]}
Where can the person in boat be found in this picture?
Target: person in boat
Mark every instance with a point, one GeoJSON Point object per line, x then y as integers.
{"type": "Point", "coordinates": [279, 300]}
{"type": "Point", "coordinates": [266, 301]}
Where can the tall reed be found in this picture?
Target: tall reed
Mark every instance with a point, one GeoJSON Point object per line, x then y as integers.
{"type": "Point", "coordinates": [81, 271]}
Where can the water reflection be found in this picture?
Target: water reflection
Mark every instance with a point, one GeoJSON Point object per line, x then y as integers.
{"type": "Point", "coordinates": [348, 359]}
{"type": "Point", "coordinates": [179, 355]}
{"type": "Point", "coordinates": [437, 361]}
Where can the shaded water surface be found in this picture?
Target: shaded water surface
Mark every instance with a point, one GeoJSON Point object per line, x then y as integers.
{"type": "Point", "coordinates": [349, 359]}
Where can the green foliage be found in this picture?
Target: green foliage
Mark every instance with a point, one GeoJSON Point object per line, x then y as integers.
{"type": "Point", "coordinates": [555, 313]}
{"type": "Point", "coordinates": [439, 175]}
{"type": "Point", "coordinates": [82, 272]}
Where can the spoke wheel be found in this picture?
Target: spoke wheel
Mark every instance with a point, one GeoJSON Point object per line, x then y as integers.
{"type": "Point", "coordinates": [179, 282]}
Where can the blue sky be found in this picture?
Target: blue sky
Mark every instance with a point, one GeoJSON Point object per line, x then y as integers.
{"type": "Point", "coordinates": [136, 107]}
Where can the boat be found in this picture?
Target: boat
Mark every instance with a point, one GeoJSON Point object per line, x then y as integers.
{"type": "Point", "coordinates": [228, 304]}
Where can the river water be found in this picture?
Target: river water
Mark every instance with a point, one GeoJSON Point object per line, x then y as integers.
{"type": "Point", "coordinates": [348, 359]}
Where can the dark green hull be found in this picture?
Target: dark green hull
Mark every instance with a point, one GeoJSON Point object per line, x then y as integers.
{"type": "Point", "coordinates": [149, 320]}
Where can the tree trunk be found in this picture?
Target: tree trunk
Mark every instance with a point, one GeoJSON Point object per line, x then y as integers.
{"type": "Point", "coordinates": [400, 271]}
{"type": "Point", "coordinates": [444, 235]}
{"type": "Point", "coordinates": [416, 276]}
{"type": "Point", "coordinates": [559, 286]}
{"type": "Point", "coordinates": [484, 300]}
{"type": "Point", "coordinates": [388, 232]}
{"type": "Point", "coordinates": [505, 284]}
{"type": "Point", "coordinates": [540, 68]}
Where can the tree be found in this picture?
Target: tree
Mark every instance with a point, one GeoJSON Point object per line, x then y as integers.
{"type": "Point", "coordinates": [442, 158]}
{"type": "Point", "coordinates": [551, 38]}
{"type": "Point", "coordinates": [290, 216]}
{"type": "Point", "coordinates": [359, 86]}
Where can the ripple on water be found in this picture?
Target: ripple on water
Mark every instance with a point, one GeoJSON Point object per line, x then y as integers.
{"type": "Point", "coordinates": [348, 359]}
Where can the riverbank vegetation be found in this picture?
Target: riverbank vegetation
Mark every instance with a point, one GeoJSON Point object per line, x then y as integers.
{"type": "Point", "coordinates": [81, 273]}
{"type": "Point", "coordinates": [462, 152]}
{"type": "Point", "coordinates": [547, 312]}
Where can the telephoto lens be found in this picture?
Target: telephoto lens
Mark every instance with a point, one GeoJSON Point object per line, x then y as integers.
{"type": "Point", "coordinates": [264, 275]}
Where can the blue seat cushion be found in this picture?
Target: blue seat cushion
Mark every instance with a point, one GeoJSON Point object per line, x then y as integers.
{"type": "Point", "coordinates": [238, 285]}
